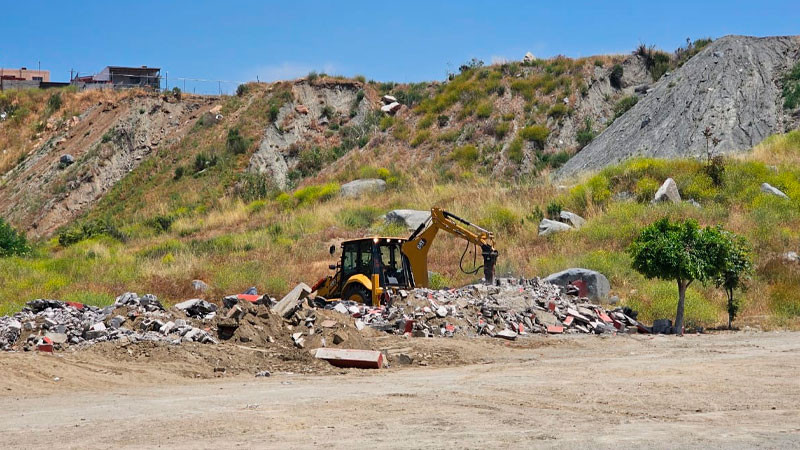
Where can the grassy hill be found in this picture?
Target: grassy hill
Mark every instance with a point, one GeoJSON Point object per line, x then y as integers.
{"type": "Point", "coordinates": [480, 145]}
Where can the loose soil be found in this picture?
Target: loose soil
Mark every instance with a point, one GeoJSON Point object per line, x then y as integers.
{"type": "Point", "coordinates": [730, 390]}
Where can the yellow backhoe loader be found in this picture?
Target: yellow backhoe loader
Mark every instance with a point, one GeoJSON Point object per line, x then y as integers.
{"type": "Point", "coordinates": [370, 268]}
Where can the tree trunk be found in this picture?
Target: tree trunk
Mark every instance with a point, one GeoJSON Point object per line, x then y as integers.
{"type": "Point", "coordinates": [678, 328]}
{"type": "Point", "coordinates": [730, 308]}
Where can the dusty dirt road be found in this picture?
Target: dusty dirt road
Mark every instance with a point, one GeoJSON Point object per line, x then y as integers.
{"type": "Point", "coordinates": [715, 391]}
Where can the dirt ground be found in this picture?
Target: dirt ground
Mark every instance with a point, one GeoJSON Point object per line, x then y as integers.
{"type": "Point", "coordinates": [730, 390]}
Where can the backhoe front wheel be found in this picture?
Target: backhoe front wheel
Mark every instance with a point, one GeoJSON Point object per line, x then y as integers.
{"type": "Point", "coordinates": [358, 293]}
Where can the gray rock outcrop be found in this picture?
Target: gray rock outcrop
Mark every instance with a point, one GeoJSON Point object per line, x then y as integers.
{"type": "Point", "coordinates": [597, 285]}
{"type": "Point", "coordinates": [548, 227]}
{"type": "Point", "coordinates": [410, 218]}
{"type": "Point", "coordinates": [772, 190]}
{"type": "Point", "coordinates": [574, 219]}
{"type": "Point", "coordinates": [668, 192]}
{"type": "Point", "coordinates": [356, 188]}
{"type": "Point", "coordinates": [731, 86]}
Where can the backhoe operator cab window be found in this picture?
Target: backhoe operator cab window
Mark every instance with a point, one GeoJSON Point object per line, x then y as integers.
{"type": "Point", "coordinates": [357, 259]}
{"type": "Point", "coordinates": [392, 267]}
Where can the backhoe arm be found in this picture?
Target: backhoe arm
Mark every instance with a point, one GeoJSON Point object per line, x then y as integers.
{"type": "Point", "coordinates": [417, 246]}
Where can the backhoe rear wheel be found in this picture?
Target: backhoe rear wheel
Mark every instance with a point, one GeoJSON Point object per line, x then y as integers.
{"type": "Point", "coordinates": [357, 292]}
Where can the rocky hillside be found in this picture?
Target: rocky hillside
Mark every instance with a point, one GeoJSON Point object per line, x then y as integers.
{"type": "Point", "coordinates": [732, 87]}
{"type": "Point", "coordinates": [77, 160]}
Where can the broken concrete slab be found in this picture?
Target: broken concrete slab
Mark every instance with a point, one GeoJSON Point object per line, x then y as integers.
{"type": "Point", "coordinates": [288, 304]}
{"type": "Point", "coordinates": [506, 334]}
{"type": "Point", "coordinates": [361, 359]}
{"type": "Point", "coordinates": [772, 190]}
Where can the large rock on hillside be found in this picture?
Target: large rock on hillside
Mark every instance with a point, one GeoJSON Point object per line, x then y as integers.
{"type": "Point", "coordinates": [668, 192]}
{"type": "Point", "coordinates": [731, 86]}
{"type": "Point", "coordinates": [596, 284]}
{"type": "Point", "coordinates": [411, 218]}
{"type": "Point", "coordinates": [548, 227]}
{"type": "Point", "coordinates": [357, 187]}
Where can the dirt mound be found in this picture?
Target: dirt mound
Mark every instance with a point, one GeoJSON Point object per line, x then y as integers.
{"type": "Point", "coordinates": [732, 87]}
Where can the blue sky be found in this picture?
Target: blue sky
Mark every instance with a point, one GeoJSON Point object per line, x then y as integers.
{"type": "Point", "coordinates": [399, 41]}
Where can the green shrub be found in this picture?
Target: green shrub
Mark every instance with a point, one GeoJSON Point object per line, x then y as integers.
{"type": "Point", "coordinates": [86, 230]}
{"type": "Point", "coordinates": [315, 193]}
{"type": "Point", "coordinates": [235, 142]}
{"type": "Point", "coordinates": [554, 210]}
{"type": "Point", "coordinates": [12, 242]}
{"type": "Point", "coordinates": [657, 300]}
{"type": "Point", "coordinates": [178, 174]}
{"type": "Point", "coordinates": [535, 133]}
{"type": "Point", "coordinates": [420, 137]}
{"type": "Point", "coordinates": [358, 218]}
{"type": "Point", "coordinates": [442, 120]}
{"type": "Point", "coordinates": [646, 189]}
{"type": "Point", "coordinates": [241, 90]}
{"type": "Point", "coordinates": [500, 218]}
{"type": "Point", "coordinates": [203, 161]}
{"type": "Point", "coordinates": [272, 113]}
{"type": "Point", "coordinates": [615, 78]}
{"type": "Point", "coordinates": [466, 155]}
{"type": "Point", "coordinates": [425, 122]}
{"type": "Point", "coordinates": [558, 111]}
{"type": "Point", "coordinates": [54, 102]}
{"type": "Point", "coordinates": [449, 136]}
{"type": "Point", "coordinates": [585, 135]}
{"type": "Point", "coordinates": [515, 151]}
{"type": "Point", "coordinates": [501, 129]}
{"type": "Point", "coordinates": [312, 76]}
{"type": "Point", "coordinates": [386, 123]}
{"type": "Point", "coordinates": [484, 110]}
{"type": "Point", "coordinates": [254, 186]}
{"type": "Point", "coordinates": [791, 88]}
{"type": "Point", "coordinates": [626, 103]}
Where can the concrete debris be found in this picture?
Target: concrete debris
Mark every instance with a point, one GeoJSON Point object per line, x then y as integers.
{"type": "Point", "coordinates": [263, 373]}
{"type": "Point", "coordinates": [590, 283]}
{"type": "Point", "coordinates": [291, 302]}
{"type": "Point", "coordinates": [508, 309]}
{"type": "Point", "coordinates": [388, 99]}
{"type": "Point", "coordinates": [362, 359]}
{"type": "Point", "coordinates": [198, 308]}
{"type": "Point", "coordinates": [54, 325]}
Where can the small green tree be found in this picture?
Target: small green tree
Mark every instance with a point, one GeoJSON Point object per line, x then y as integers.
{"type": "Point", "coordinates": [674, 251]}
{"type": "Point", "coordinates": [735, 266]}
{"type": "Point", "coordinates": [12, 242]}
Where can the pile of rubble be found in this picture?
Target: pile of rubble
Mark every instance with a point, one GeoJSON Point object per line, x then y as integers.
{"type": "Point", "coordinates": [53, 324]}
{"type": "Point", "coordinates": [510, 308]}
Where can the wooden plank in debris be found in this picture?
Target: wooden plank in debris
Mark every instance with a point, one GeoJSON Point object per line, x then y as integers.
{"type": "Point", "coordinates": [361, 359]}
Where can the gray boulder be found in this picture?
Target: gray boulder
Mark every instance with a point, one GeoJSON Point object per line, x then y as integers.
{"type": "Point", "coordinates": [66, 160]}
{"type": "Point", "coordinates": [200, 285]}
{"type": "Point", "coordinates": [410, 218]}
{"type": "Point", "coordinates": [572, 218]}
{"type": "Point", "coordinates": [357, 187]}
{"type": "Point", "coordinates": [772, 190]}
{"type": "Point", "coordinates": [597, 285]}
{"type": "Point", "coordinates": [667, 192]}
{"type": "Point", "coordinates": [548, 227]}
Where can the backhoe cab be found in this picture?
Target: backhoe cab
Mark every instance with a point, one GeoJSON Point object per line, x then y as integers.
{"type": "Point", "coordinates": [370, 268]}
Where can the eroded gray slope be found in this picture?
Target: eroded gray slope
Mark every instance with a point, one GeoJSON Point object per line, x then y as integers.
{"type": "Point", "coordinates": [731, 86]}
